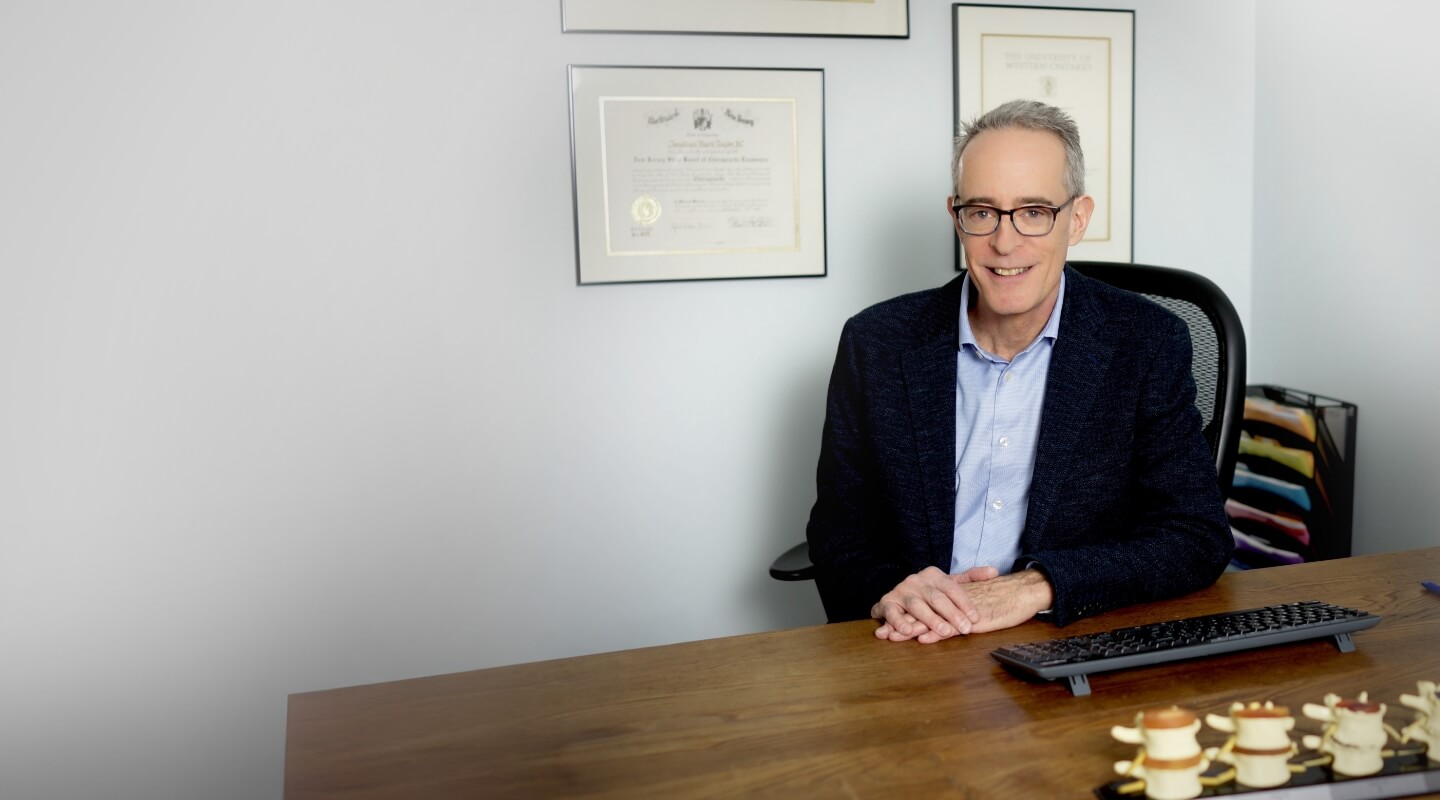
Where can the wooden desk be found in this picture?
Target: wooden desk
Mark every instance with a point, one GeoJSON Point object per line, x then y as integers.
{"type": "Point", "coordinates": [829, 711]}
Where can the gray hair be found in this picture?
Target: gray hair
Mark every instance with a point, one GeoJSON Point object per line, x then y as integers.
{"type": "Point", "coordinates": [1028, 115]}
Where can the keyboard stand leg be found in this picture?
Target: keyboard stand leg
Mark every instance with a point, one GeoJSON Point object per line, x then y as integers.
{"type": "Point", "coordinates": [1342, 641]}
{"type": "Point", "coordinates": [1080, 684]}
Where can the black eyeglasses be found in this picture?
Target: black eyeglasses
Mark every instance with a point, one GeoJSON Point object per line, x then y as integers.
{"type": "Point", "coordinates": [978, 220]}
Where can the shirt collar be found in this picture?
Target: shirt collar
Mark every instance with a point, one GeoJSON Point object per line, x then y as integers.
{"type": "Point", "coordinates": [1051, 330]}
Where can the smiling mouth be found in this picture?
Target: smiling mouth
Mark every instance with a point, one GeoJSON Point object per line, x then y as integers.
{"type": "Point", "coordinates": [1008, 273]}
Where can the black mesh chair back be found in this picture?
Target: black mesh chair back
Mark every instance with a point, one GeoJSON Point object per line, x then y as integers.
{"type": "Point", "coordinates": [1217, 341]}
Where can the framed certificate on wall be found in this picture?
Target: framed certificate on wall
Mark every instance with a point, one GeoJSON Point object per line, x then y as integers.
{"type": "Point", "coordinates": [697, 173]}
{"type": "Point", "coordinates": [878, 18]}
{"type": "Point", "coordinates": [1079, 60]}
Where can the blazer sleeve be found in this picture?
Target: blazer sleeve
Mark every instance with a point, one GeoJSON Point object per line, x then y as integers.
{"type": "Point", "coordinates": [1162, 532]}
{"type": "Point", "coordinates": [850, 534]}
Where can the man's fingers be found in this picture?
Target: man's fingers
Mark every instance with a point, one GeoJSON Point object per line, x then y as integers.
{"type": "Point", "coordinates": [885, 629]}
{"type": "Point", "coordinates": [976, 574]}
{"type": "Point", "coordinates": [922, 607]}
{"type": "Point", "coordinates": [888, 632]}
{"type": "Point", "coordinates": [929, 606]}
{"type": "Point", "coordinates": [907, 615]}
{"type": "Point", "coordinates": [946, 607]}
{"type": "Point", "coordinates": [893, 614]}
{"type": "Point", "coordinates": [964, 603]}
{"type": "Point", "coordinates": [896, 636]}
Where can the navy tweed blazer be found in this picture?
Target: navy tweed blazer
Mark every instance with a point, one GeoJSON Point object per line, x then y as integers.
{"type": "Point", "coordinates": [1124, 503]}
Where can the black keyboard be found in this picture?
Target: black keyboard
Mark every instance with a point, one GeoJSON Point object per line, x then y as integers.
{"type": "Point", "coordinates": [1158, 642]}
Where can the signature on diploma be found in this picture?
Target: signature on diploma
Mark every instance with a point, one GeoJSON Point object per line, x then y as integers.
{"type": "Point", "coordinates": [750, 222]}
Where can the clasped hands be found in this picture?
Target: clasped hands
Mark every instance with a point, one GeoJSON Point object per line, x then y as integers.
{"type": "Point", "coordinates": [931, 605]}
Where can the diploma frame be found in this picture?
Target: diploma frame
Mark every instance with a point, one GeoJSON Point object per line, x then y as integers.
{"type": "Point", "coordinates": [871, 18]}
{"type": "Point", "coordinates": [1082, 60]}
{"type": "Point", "coordinates": [697, 173]}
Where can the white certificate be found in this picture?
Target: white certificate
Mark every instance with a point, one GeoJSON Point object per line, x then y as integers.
{"type": "Point", "coordinates": [791, 17]}
{"type": "Point", "coordinates": [1079, 60]}
{"type": "Point", "coordinates": [1072, 73]}
{"type": "Point", "coordinates": [695, 173]}
{"type": "Point", "coordinates": [687, 175]}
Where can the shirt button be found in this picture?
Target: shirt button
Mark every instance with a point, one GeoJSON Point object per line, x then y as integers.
{"type": "Point", "coordinates": [997, 505]}
{"type": "Point", "coordinates": [1009, 376]}
{"type": "Point", "coordinates": [1004, 441]}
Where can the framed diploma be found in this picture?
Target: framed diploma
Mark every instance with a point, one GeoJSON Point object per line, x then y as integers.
{"type": "Point", "coordinates": [1080, 60]}
{"type": "Point", "coordinates": [696, 173]}
{"type": "Point", "coordinates": [880, 18]}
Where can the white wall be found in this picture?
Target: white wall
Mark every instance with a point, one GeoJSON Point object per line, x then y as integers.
{"type": "Point", "coordinates": [1346, 277]}
{"type": "Point", "coordinates": [297, 390]}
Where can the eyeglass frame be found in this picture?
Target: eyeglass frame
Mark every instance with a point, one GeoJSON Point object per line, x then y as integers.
{"type": "Point", "coordinates": [955, 209]}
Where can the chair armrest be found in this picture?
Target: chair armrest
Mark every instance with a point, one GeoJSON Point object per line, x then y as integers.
{"type": "Point", "coordinates": [793, 564]}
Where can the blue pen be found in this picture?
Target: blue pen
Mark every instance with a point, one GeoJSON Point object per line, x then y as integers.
{"type": "Point", "coordinates": [1434, 587]}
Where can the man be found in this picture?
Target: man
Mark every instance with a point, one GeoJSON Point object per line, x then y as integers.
{"type": "Point", "coordinates": [1021, 441]}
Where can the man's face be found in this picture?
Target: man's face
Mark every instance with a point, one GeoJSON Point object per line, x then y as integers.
{"type": "Point", "coordinates": [1018, 277]}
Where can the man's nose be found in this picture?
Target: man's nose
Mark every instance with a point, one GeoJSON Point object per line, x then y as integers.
{"type": "Point", "coordinates": [1005, 238]}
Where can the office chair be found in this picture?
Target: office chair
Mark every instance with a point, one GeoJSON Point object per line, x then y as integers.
{"type": "Point", "coordinates": [1218, 343]}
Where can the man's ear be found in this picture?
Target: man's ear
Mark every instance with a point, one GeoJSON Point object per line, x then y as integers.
{"type": "Point", "coordinates": [1080, 212]}
{"type": "Point", "coordinates": [950, 207]}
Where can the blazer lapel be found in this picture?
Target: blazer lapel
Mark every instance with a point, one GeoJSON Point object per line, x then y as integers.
{"type": "Point", "coordinates": [1077, 367]}
{"type": "Point", "coordinates": [929, 371]}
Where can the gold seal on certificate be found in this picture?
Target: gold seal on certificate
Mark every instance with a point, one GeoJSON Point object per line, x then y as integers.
{"type": "Point", "coordinates": [645, 210]}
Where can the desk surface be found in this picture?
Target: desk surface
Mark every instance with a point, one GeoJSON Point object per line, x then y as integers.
{"type": "Point", "coordinates": [831, 711]}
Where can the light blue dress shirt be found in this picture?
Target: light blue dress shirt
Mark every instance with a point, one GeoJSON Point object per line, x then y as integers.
{"type": "Point", "coordinates": [997, 424]}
